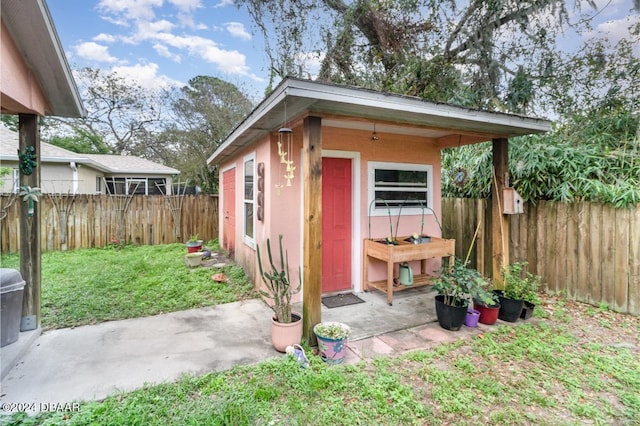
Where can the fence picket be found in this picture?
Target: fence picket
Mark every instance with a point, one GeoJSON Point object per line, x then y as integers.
{"type": "Point", "coordinates": [92, 222]}
{"type": "Point", "coordinates": [589, 251]}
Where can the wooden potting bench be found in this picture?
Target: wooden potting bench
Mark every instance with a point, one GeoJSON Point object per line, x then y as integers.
{"type": "Point", "coordinates": [404, 251]}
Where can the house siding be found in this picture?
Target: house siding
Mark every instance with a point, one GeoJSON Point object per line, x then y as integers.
{"type": "Point", "coordinates": [20, 90]}
{"type": "Point", "coordinates": [283, 211]}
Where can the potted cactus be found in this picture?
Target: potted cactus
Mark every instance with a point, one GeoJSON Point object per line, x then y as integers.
{"type": "Point", "coordinates": [286, 325]}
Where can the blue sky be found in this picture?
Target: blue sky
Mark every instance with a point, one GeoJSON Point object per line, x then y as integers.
{"type": "Point", "coordinates": [162, 42]}
{"type": "Point", "coordinates": [167, 42]}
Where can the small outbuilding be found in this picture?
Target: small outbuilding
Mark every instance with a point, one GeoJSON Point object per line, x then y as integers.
{"type": "Point", "coordinates": [330, 167]}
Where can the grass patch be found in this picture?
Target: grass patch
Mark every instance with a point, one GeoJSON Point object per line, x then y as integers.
{"type": "Point", "coordinates": [89, 286]}
{"type": "Point", "coordinates": [529, 374]}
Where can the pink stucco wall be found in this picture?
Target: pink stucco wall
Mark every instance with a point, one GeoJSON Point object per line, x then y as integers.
{"type": "Point", "coordinates": [283, 209]}
{"type": "Point", "coordinates": [20, 91]}
{"type": "Point", "coordinates": [396, 149]}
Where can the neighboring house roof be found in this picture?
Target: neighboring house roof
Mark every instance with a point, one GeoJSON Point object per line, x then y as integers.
{"type": "Point", "coordinates": [391, 112]}
{"type": "Point", "coordinates": [110, 164]}
{"type": "Point", "coordinates": [33, 32]}
{"type": "Point", "coordinates": [130, 164]}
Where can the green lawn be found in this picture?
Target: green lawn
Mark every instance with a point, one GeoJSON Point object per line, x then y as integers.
{"type": "Point", "coordinates": [576, 364]}
{"type": "Point", "coordinates": [566, 370]}
{"type": "Point", "coordinates": [90, 286]}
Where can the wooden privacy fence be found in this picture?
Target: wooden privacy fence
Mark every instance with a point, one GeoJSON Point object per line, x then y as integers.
{"type": "Point", "coordinates": [94, 221]}
{"type": "Point", "coordinates": [589, 252]}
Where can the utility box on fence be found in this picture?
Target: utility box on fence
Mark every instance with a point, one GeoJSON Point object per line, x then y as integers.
{"type": "Point", "coordinates": [11, 289]}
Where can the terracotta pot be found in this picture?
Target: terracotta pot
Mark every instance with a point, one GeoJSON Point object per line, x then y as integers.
{"type": "Point", "coordinates": [286, 334]}
{"type": "Point", "coordinates": [488, 314]}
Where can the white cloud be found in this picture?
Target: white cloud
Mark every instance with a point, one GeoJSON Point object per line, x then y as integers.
{"type": "Point", "coordinates": [187, 20]}
{"type": "Point", "coordinates": [130, 9]}
{"type": "Point", "coordinates": [146, 75]}
{"type": "Point", "coordinates": [94, 52]}
{"type": "Point", "coordinates": [186, 5]}
{"type": "Point", "coordinates": [224, 3]}
{"type": "Point", "coordinates": [155, 27]}
{"type": "Point", "coordinates": [164, 51]}
{"type": "Point", "coordinates": [160, 34]}
{"type": "Point", "coordinates": [236, 29]}
{"type": "Point", "coordinates": [108, 38]}
{"type": "Point", "coordinates": [615, 30]}
{"type": "Point", "coordinates": [311, 62]}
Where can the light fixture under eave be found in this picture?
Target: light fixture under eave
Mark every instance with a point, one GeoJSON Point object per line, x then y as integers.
{"type": "Point", "coordinates": [374, 136]}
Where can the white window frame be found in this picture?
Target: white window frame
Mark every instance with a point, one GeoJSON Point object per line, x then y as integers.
{"type": "Point", "coordinates": [250, 240]}
{"type": "Point", "coordinates": [134, 184]}
{"type": "Point", "coordinates": [372, 166]}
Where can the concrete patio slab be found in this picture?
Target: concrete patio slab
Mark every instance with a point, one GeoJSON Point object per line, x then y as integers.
{"type": "Point", "coordinates": [92, 362]}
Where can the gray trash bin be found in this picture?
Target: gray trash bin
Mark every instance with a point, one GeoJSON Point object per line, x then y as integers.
{"type": "Point", "coordinates": [11, 289]}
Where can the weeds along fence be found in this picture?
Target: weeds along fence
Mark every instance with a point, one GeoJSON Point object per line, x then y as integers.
{"type": "Point", "coordinates": [589, 252]}
{"type": "Point", "coordinates": [97, 221]}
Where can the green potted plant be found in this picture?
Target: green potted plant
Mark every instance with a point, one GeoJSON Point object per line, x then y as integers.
{"type": "Point", "coordinates": [332, 338]}
{"type": "Point", "coordinates": [194, 244]}
{"type": "Point", "coordinates": [456, 286]}
{"type": "Point", "coordinates": [286, 325]}
{"type": "Point", "coordinates": [487, 302]}
{"type": "Point", "coordinates": [519, 286]}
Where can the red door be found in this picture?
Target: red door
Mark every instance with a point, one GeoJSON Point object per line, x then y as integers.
{"type": "Point", "coordinates": [229, 211]}
{"type": "Point", "coordinates": [336, 224]}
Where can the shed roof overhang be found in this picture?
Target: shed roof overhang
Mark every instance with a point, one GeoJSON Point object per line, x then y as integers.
{"type": "Point", "coordinates": [34, 34]}
{"type": "Point", "coordinates": [345, 106]}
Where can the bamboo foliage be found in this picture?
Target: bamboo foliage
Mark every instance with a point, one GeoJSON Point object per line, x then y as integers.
{"type": "Point", "coordinates": [589, 252]}
{"type": "Point", "coordinates": [93, 222]}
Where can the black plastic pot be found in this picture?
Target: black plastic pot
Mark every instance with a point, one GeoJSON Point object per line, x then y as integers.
{"type": "Point", "coordinates": [450, 317]}
{"type": "Point", "coordinates": [527, 310]}
{"type": "Point", "coordinates": [510, 309]}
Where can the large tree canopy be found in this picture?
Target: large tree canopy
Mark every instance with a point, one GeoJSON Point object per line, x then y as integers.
{"type": "Point", "coordinates": [121, 114]}
{"type": "Point", "coordinates": [179, 128]}
{"type": "Point", "coordinates": [498, 54]}
{"type": "Point", "coordinates": [203, 113]}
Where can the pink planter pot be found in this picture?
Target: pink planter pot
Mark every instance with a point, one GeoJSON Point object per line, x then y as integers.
{"type": "Point", "coordinates": [332, 351]}
{"type": "Point", "coordinates": [286, 334]}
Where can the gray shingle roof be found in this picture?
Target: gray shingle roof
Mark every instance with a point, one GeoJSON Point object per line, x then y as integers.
{"type": "Point", "coordinates": [107, 163]}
